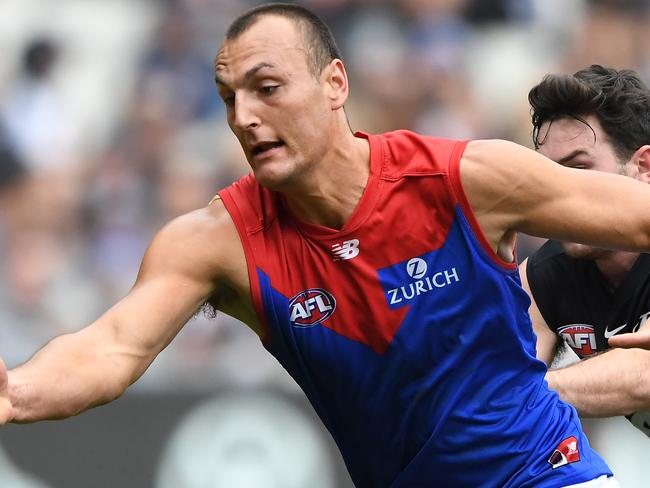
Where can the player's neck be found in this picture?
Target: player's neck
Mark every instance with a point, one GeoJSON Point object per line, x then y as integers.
{"type": "Point", "coordinates": [333, 188]}
{"type": "Point", "coordinates": [616, 266]}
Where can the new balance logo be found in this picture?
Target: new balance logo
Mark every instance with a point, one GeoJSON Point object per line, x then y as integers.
{"type": "Point", "coordinates": [346, 250]}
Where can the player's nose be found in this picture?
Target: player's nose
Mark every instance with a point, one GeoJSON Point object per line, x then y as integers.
{"type": "Point", "coordinates": [245, 116]}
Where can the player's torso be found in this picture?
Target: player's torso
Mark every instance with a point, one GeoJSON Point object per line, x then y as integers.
{"type": "Point", "coordinates": [411, 343]}
{"type": "Point", "coordinates": [578, 303]}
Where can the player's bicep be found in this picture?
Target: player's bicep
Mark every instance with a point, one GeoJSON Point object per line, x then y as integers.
{"type": "Point", "coordinates": [511, 187]}
{"type": "Point", "coordinates": [547, 340]}
{"type": "Point", "coordinates": [176, 277]}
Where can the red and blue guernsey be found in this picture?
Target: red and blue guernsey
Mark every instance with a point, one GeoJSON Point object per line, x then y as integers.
{"type": "Point", "coordinates": [409, 335]}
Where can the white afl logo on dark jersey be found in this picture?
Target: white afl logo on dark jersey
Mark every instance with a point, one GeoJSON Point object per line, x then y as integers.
{"type": "Point", "coordinates": [581, 338]}
{"type": "Point", "coordinates": [311, 307]}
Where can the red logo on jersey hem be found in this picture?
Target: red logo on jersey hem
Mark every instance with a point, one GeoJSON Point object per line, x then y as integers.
{"type": "Point", "coordinates": [566, 453]}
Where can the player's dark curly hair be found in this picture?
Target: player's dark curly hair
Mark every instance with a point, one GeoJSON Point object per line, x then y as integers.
{"type": "Point", "coordinates": [618, 99]}
{"type": "Point", "coordinates": [319, 42]}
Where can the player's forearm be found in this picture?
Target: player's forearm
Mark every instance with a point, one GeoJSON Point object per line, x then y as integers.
{"type": "Point", "coordinates": [611, 384]}
{"type": "Point", "coordinates": [69, 375]}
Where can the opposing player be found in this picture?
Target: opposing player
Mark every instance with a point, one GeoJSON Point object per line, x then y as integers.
{"type": "Point", "coordinates": [596, 119]}
{"type": "Point", "coordinates": [378, 269]}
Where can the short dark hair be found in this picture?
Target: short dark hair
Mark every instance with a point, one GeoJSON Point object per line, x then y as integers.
{"type": "Point", "coordinates": [617, 98]}
{"type": "Point", "coordinates": [319, 42]}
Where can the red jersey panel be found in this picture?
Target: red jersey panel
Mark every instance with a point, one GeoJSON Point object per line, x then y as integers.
{"type": "Point", "coordinates": [296, 255]}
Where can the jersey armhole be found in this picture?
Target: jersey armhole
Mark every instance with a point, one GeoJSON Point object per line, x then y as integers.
{"type": "Point", "coordinates": [256, 293]}
{"type": "Point", "coordinates": [466, 208]}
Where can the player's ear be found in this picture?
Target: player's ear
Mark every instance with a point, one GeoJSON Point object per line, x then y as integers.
{"type": "Point", "coordinates": [335, 79]}
{"type": "Point", "coordinates": [641, 160]}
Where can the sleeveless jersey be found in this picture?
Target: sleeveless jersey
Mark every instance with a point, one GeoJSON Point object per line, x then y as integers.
{"type": "Point", "coordinates": [579, 305]}
{"type": "Point", "coordinates": [408, 334]}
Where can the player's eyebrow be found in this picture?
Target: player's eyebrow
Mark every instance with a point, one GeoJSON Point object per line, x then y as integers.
{"type": "Point", "coordinates": [572, 155]}
{"type": "Point", "coordinates": [249, 74]}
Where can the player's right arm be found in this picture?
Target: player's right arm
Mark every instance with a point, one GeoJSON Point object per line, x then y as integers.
{"type": "Point", "coordinates": [547, 340]}
{"type": "Point", "coordinates": [95, 365]}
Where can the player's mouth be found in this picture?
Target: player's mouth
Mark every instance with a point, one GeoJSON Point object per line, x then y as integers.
{"type": "Point", "coordinates": [266, 149]}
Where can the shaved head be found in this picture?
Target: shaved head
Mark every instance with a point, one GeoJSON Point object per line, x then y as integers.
{"type": "Point", "coordinates": [318, 42]}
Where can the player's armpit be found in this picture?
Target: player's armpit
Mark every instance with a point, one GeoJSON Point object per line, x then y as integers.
{"type": "Point", "coordinates": [511, 188]}
{"type": "Point", "coordinates": [547, 340]}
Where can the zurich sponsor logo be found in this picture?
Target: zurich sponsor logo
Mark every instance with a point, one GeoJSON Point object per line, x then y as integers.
{"type": "Point", "coordinates": [422, 281]}
{"type": "Point", "coordinates": [311, 307]}
{"type": "Point", "coordinates": [416, 268]}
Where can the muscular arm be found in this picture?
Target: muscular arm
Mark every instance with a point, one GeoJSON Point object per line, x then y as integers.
{"type": "Point", "coordinates": [95, 365]}
{"type": "Point", "coordinates": [511, 188]}
{"type": "Point", "coordinates": [613, 383]}
{"type": "Point", "coordinates": [547, 340]}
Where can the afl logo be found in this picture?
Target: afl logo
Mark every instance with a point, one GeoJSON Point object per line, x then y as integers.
{"type": "Point", "coordinates": [581, 338]}
{"type": "Point", "coordinates": [311, 307]}
{"type": "Point", "coordinates": [416, 268]}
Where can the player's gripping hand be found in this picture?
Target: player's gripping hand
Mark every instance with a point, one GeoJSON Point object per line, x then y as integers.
{"type": "Point", "coordinates": [6, 409]}
{"type": "Point", "coordinates": [640, 339]}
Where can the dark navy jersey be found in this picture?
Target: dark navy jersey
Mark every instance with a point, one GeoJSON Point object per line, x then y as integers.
{"type": "Point", "coordinates": [580, 306]}
{"type": "Point", "coordinates": [409, 335]}
{"type": "Point", "coordinates": [578, 303]}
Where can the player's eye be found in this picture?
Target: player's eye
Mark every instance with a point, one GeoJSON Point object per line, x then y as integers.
{"type": "Point", "coordinates": [268, 89]}
{"type": "Point", "coordinates": [577, 165]}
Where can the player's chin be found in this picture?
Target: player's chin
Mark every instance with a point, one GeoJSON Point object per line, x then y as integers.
{"type": "Point", "coordinates": [273, 178]}
{"type": "Point", "coordinates": [582, 251]}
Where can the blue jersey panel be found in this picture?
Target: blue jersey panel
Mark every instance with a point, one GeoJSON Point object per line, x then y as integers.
{"type": "Point", "coordinates": [458, 399]}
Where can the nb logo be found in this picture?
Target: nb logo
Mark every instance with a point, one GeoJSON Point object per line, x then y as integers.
{"type": "Point", "coordinates": [346, 250]}
{"type": "Point", "coordinates": [416, 268]}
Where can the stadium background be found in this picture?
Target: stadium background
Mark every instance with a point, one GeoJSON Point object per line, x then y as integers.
{"type": "Point", "coordinates": [111, 126]}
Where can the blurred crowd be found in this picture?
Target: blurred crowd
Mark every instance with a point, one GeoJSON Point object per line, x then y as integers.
{"type": "Point", "coordinates": [110, 125]}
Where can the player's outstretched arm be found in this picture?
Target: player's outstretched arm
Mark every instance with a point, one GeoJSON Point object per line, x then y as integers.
{"type": "Point", "coordinates": [512, 188]}
{"type": "Point", "coordinates": [95, 365]}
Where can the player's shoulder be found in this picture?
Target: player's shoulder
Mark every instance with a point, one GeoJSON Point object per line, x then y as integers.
{"type": "Point", "coordinates": [505, 158]}
{"type": "Point", "coordinates": [205, 237]}
{"type": "Point", "coordinates": [251, 205]}
{"type": "Point", "coordinates": [201, 223]}
{"type": "Point", "coordinates": [413, 153]}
